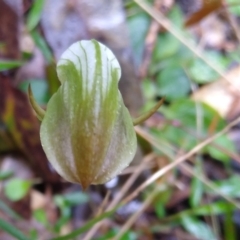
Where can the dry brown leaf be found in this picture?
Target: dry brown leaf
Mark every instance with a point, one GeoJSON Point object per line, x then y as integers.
{"type": "Point", "coordinates": [207, 8]}
{"type": "Point", "coordinates": [9, 30]}
{"type": "Point", "coordinates": [23, 128]}
{"type": "Point", "coordinates": [221, 95]}
{"type": "Point", "coordinates": [37, 200]}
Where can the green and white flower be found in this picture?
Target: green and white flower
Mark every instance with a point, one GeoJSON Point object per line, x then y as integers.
{"type": "Point", "coordinates": [87, 132]}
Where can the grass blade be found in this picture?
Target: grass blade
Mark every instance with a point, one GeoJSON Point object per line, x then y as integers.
{"type": "Point", "coordinates": [35, 14]}
{"type": "Point", "coordinates": [7, 227]}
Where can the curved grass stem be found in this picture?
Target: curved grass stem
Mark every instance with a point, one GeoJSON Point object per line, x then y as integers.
{"type": "Point", "coordinates": [148, 114]}
{"type": "Point", "coordinates": [38, 110]}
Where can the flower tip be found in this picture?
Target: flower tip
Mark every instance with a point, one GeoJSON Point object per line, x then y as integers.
{"type": "Point", "coordinates": [85, 186]}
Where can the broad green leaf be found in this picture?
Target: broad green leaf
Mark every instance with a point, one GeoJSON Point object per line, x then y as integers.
{"type": "Point", "coordinates": [173, 83]}
{"type": "Point", "coordinates": [177, 17]}
{"type": "Point", "coordinates": [200, 72]}
{"type": "Point", "coordinates": [198, 228]}
{"type": "Point", "coordinates": [166, 46]}
{"type": "Point", "coordinates": [149, 89]}
{"type": "Point", "coordinates": [229, 187]}
{"type": "Point", "coordinates": [224, 142]}
{"type": "Point", "coordinates": [15, 189]}
{"type": "Point", "coordinates": [138, 26]}
{"type": "Point", "coordinates": [34, 14]}
{"type": "Point", "coordinates": [87, 133]}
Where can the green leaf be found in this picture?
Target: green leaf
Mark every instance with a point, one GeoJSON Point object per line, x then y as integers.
{"type": "Point", "coordinates": [225, 142]}
{"type": "Point", "coordinates": [198, 228]}
{"type": "Point", "coordinates": [166, 46]}
{"type": "Point", "coordinates": [75, 198]}
{"type": "Point", "coordinates": [161, 201]}
{"type": "Point", "coordinates": [149, 89]}
{"type": "Point", "coordinates": [173, 83]}
{"type": "Point", "coordinates": [230, 232]}
{"type": "Point", "coordinates": [229, 187]}
{"type": "Point", "coordinates": [65, 202]}
{"type": "Point", "coordinates": [200, 72]}
{"type": "Point", "coordinates": [215, 208]}
{"type": "Point", "coordinates": [9, 64]}
{"type": "Point", "coordinates": [177, 17]}
{"type": "Point", "coordinates": [234, 7]}
{"type": "Point", "coordinates": [86, 226]}
{"type": "Point", "coordinates": [5, 175]}
{"type": "Point", "coordinates": [42, 45]}
{"type": "Point", "coordinates": [185, 111]}
{"type": "Point", "coordinates": [219, 207]}
{"type": "Point", "coordinates": [34, 14]}
{"type": "Point", "coordinates": [41, 216]}
{"type": "Point", "coordinates": [196, 192]}
{"type": "Point", "coordinates": [183, 131]}
{"type": "Point", "coordinates": [87, 133]}
{"type": "Point", "coordinates": [15, 189]}
{"type": "Point", "coordinates": [196, 186]}
{"type": "Point", "coordinates": [10, 229]}
{"type": "Point", "coordinates": [138, 26]}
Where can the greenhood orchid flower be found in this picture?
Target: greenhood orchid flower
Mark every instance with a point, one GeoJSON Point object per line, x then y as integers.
{"type": "Point", "coordinates": [87, 132]}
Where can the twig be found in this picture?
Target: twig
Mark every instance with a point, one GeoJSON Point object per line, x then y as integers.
{"type": "Point", "coordinates": [135, 216]}
{"type": "Point", "coordinates": [223, 149]}
{"type": "Point", "coordinates": [150, 43]}
{"type": "Point", "coordinates": [179, 160]}
{"type": "Point", "coordinates": [103, 204]}
{"type": "Point", "coordinates": [233, 23]}
{"type": "Point", "coordinates": [209, 184]}
{"type": "Point", "coordinates": [132, 169]}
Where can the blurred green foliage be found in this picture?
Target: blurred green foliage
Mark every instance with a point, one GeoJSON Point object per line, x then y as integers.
{"type": "Point", "coordinates": [174, 72]}
{"type": "Point", "coordinates": [16, 189]}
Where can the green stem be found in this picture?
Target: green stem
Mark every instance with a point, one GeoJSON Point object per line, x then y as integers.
{"type": "Point", "coordinates": [148, 114]}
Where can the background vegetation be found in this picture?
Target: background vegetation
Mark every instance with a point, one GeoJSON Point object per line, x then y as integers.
{"type": "Point", "coordinates": [184, 182]}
